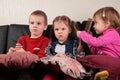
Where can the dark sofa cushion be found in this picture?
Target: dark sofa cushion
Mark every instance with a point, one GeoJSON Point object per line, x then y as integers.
{"type": "Point", "coordinates": [14, 32]}
{"type": "Point", "coordinates": [47, 32]}
{"type": "Point", "coordinates": [3, 38]}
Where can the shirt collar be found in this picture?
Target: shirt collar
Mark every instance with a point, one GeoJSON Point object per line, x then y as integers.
{"type": "Point", "coordinates": [67, 42]}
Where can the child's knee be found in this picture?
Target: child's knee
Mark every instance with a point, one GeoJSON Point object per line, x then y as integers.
{"type": "Point", "coordinates": [48, 77]}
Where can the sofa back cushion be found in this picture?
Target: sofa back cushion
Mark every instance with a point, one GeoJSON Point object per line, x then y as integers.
{"type": "Point", "coordinates": [3, 37]}
{"type": "Point", "coordinates": [14, 32]}
{"type": "Point", "coordinates": [17, 30]}
{"type": "Point", "coordinates": [47, 32]}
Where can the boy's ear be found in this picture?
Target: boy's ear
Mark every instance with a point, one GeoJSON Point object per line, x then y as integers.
{"type": "Point", "coordinates": [46, 26]}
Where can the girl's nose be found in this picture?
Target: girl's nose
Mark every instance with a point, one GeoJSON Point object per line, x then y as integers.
{"type": "Point", "coordinates": [60, 31]}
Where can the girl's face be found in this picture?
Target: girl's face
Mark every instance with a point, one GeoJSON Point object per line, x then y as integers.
{"type": "Point", "coordinates": [100, 26]}
{"type": "Point", "coordinates": [36, 26]}
{"type": "Point", "coordinates": [61, 31]}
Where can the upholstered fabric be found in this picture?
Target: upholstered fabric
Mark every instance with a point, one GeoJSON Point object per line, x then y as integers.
{"type": "Point", "coordinates": [103, 62]}
{"type": "Point", "coordinates": [14, 32]}
{"type": "Point", "coordinates": [67, 65]}
{"type": "Point", "coordinates": [18, 60]}
{"type": "Point", "coordinates": [3, 38]}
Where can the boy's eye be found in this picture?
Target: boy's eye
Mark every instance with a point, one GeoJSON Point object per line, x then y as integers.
{"type": "Point", "coordinates": [31, 22]}
{"type": "Point", "coordinates": [39, 23]}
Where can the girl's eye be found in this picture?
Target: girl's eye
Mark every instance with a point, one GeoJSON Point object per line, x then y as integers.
{"type": "Point", "coordinates": [95, 22]}
{"type": "Point", "coordinates": [39, 23]}
{"type": "Point", "coordinates": [63, 28]}
{"type": "Point", "coordinates": [56, 29]}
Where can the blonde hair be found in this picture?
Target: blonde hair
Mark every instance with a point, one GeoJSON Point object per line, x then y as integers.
{"type": "Point", "coordinates": [111, 15]}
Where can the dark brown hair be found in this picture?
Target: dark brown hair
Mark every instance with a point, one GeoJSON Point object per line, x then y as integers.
{"type": "Point", "coordinates": [69, 23]}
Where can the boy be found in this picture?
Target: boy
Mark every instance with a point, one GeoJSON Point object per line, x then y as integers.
{"type": "Point", "coordinates": [34, 43]}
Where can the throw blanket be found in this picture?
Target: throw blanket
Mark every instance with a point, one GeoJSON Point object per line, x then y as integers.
{"type": "Point", "coordinates": [103, 62]}
{"type": "Point", "coordinates": [68, 65]}
{"type": "Point", "coordinates": [17, 60]}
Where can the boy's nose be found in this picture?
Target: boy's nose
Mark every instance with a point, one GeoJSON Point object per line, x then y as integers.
{"type": "Point", "coordinates": [34, 25]}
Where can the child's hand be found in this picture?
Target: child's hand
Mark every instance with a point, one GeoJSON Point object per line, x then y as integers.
{"type": "Point", "coordinates": [19, 48]}
{"type": "Point", "coordinates": [61, 55]}
{"type": "Point", "coordinates": [78, 33]}
{"type": "Point", "coordinates": [11, 50]}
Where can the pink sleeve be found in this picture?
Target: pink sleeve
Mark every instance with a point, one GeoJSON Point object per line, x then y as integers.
{"type": "Point", "coordinates": [104, 39]}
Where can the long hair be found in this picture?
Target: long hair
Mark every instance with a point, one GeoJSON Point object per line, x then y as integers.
{"type": "Point", "coordinates": [111, 15]}
{"type": "Point", "coordinates": [69, 23]}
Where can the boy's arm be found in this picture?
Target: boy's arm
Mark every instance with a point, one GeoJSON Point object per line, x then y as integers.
{"type": "Point", "coordinates": [41, 53]}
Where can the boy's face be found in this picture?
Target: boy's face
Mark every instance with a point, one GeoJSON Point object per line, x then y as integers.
{"type": "Point", "coordinates": [61, 31]}
{"type": "Point", "coordinates": [37, 25]}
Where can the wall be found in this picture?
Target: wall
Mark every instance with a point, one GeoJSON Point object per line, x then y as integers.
{"type": "Point", "coordinates": [18, 11]}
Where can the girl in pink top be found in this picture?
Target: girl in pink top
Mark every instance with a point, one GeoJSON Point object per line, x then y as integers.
{"type": "Point", "coordinates": [107, 26]}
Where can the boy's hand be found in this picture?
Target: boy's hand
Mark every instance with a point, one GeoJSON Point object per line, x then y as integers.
{"type": "Point", "coordinates": [19, 48]}
{"type": "Point", "coordinates": [11, 50]}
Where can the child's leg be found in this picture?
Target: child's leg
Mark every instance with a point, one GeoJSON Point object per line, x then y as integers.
{"type": "Point", "coordinates": [48, 77]}
{"type": "Point", "coordinates": [57, 77]}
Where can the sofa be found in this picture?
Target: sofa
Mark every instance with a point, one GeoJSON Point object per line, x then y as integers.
{"type": "Point", "coordinates": [9, 35]}
{"type": "Point", "coordinates": [8, 38]}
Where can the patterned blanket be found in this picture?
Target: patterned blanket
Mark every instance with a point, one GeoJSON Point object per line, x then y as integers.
{"type": "Point", "coordinates": [68, 65]}
{"type": "Point", "coordinates": [103, 62]}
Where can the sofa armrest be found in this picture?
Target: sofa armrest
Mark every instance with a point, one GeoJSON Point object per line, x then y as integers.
{"type": "Point", "coordinates": [3, 38]}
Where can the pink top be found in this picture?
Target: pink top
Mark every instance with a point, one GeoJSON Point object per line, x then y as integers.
{"type": "Point", "coordinates": [107, 43]}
